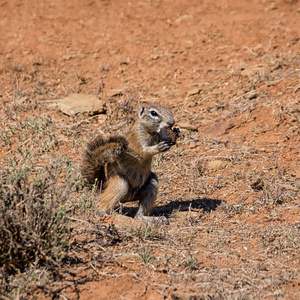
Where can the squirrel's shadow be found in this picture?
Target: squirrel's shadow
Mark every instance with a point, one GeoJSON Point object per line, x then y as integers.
{"type": "Point", "coordinates": [207, 205]}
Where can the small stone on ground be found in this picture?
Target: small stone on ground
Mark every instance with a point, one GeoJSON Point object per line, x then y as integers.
{"type": "Point", "coordinates": [81, 104]}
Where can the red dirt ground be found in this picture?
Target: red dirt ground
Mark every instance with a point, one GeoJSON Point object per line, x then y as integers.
{"type": "Point", "coordinates": [230, 71]}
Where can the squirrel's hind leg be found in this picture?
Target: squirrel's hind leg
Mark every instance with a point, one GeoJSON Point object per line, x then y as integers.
{"type": "Point", "coordinates": [116, 191]}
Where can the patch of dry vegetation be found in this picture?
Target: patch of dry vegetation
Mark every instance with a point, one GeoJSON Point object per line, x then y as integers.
{"type": "Point", "coordinates": [230, 188]}
{"type": "Point", "coordinates": [229, 234]}
{"type": "Point", "coordinates": [41, 195]}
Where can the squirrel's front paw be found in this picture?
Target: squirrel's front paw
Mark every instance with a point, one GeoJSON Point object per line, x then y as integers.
{"type": "Point", "coordinates": [163, 146]}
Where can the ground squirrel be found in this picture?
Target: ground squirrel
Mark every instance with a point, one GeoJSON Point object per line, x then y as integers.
{"type": "Point", "coordinates": [121, 165]}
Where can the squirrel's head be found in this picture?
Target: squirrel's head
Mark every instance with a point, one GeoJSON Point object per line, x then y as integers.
{"type": "Point", "coordinates": [155, 117]}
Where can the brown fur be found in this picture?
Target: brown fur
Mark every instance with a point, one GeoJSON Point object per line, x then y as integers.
{"type": "Point", "coordinates": [122, 166]}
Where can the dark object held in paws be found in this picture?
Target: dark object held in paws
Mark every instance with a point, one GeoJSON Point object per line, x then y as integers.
{"type": "Point", "coordinates": [169, 135]}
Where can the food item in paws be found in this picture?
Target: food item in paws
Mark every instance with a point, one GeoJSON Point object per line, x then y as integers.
{"type": "Point", "coordinates": [169, 135]}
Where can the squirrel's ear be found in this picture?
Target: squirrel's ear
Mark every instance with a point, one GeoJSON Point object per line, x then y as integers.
{"type": "Point", "coordinates": [141, 111]}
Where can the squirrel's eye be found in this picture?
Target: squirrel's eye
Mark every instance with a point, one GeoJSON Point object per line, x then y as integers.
{"type": "Point", "coordinates": [153, 113]}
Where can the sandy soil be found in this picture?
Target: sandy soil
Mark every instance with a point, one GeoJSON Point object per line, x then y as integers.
{"type": "Point", "coordinates": [230, 72]}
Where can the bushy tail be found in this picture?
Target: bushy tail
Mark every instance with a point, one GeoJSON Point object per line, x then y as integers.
{"type": "Point", "coordinates": [99, 155]}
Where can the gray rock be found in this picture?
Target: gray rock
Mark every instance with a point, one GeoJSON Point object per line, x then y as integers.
{"type": "Point", "coordinates": [194, 91]}
{"type": "Point", "coordinates": [217, 164]}
{"type": "Point", "coordinates": [187, 125]}
{"type": "Point", "coordinates": [81, 104]}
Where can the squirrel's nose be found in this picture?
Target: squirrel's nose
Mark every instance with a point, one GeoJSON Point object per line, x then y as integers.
{"type": "Point", "coordinates": [167, 124]}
